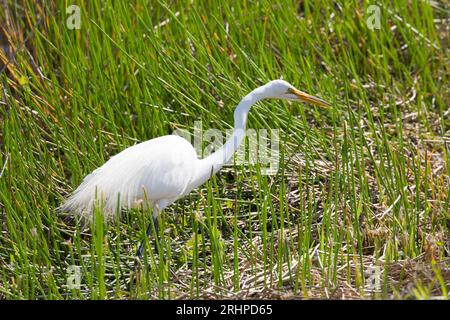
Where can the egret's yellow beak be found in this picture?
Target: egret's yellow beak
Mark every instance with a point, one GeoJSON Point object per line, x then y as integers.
{"type": "Point", "coordinates": [309, 98]}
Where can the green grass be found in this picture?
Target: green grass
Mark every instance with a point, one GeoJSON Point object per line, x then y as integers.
{"type": "Point", "coordinates": [363, 185]}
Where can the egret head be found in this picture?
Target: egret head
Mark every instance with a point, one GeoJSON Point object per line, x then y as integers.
{"type": "Point", "coordinates": [280, 89]}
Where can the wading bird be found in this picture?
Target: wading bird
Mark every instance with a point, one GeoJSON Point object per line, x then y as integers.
{"type": "Point", "coordinates": [157, 172]}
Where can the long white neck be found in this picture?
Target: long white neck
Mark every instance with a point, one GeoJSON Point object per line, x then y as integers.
{"type": "Point", "coordinates": [214, 162]}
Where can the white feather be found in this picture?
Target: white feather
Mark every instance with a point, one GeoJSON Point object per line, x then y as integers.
{"type": "Point", "coordinates": [159, 171]}
{"type": "Point", "coordinates": [144, 172]}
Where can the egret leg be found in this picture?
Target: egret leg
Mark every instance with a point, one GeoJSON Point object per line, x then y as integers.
{"type": "Point", "coordinates": [148, 234]}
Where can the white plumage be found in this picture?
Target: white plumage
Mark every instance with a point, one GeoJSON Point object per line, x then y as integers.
{"type": "Point", "coordinates": [159, 171]}
{"type": "Point", "coordinates": [142, 173]}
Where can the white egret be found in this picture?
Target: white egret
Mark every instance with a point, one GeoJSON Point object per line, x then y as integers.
{"type": "Point", "coordinates": [160, 171]}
